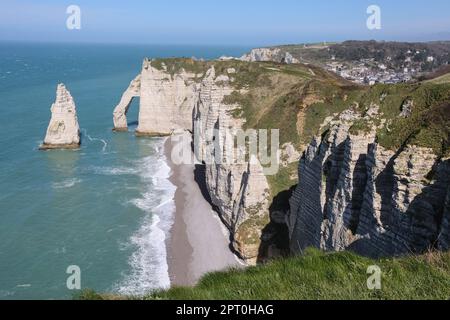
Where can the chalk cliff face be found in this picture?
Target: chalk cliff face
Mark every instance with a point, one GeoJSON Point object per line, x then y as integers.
{"type": "Point", "coordinates": [166, 102]}
{"type": "Point", "coordinates": [172, 102]}
{"type": "Point", "coordinates": [354, 194]}
{"type": "Point", "coordinates": [239, 191]}
{"type": "Point", "coordinates": [63, 131]}
{"type": "Point", "coordinates": [120, 112]}
{"type": "Point", "coordinates": [269, 54]}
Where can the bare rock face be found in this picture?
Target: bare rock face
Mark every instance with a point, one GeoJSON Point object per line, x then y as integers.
{"type": "Point", "coordinates": [170, 103]}
{"type": "Point", "coordinates": [239, 191]}
{"type": "Point", "coordinates": [354, 194]}
{"type": "Point", "coordinates": [289, 154]}
{"type": "Point", "coordinates": [407, 108]}
{"type": "Point", "coordinates": [269, 54]}
{"type": "Point", "coordinates": [63, 131]}
{"type": "Point", "coordinates": [289, 59]}
{"type": "Point", "coordinates": [120, 112]}
{"type": "Point", "coordinates": [166, 102]}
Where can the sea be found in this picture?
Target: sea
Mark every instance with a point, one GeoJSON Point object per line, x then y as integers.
{"type": "Point", "coordinates": [96, 218]}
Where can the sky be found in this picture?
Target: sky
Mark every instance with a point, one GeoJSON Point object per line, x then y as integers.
{"type": "Point", "coordinates": [230, 22]}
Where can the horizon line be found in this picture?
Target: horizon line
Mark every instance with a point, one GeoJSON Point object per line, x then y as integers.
{"type": "Point", "coordinates": [208, 44]}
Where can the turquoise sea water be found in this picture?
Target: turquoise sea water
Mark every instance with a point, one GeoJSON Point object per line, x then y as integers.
{"type": "Point", "coordinates": [106, 208]}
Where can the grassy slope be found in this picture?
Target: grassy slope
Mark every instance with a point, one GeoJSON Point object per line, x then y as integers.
{"type": "Point", "coordinates": [320, 276]}
{"type": "Point", "coordinates": [276, 95]}
{"type": "Point", "coordinates": [355, 50]}
{"type": "Point", "coordinates": [440, 80]}
{"type": "Point", "coordinates": [292, 98]}
{"type": "Point", "coordinates": [429, 123]}
{"type": "Point", "coordinates": [307, 100]}
{"type": "Point", "coordinates": [296, 99]}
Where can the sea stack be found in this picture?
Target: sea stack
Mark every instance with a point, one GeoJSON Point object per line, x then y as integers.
{"type": "Point", "coordinates": [63, 130]}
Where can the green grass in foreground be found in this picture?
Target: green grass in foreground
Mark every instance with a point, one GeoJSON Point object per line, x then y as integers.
{"type": "Point", "coordinates": [320, 276]}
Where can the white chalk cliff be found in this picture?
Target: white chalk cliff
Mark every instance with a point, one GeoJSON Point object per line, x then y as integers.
{"type": "Point", "coordinates": [239, 191]}
{"type": "Point", "coordinates": [269, 54]}
{"type": "Point", "coordinates": [63, 130]}
{"type": "Point", "coordinates": [120, 112]}
{"type": "Point", "coordinates": [352, 192]}
{"type": "Point", "coordinates": [166, 102]}
{"type": "Point", "coordinates": [182, 101]}
{"type": "Point", "coordinates": [355, 194]}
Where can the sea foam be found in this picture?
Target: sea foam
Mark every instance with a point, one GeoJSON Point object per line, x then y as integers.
{"type": "Point", "coordinates": [149, 267]}
{"type": "Point", "coordinates": [92, 139]}
{"type": "Point", "coordinates": [114, 171]}
{"type": "Point", "coordinates": [69, 183]}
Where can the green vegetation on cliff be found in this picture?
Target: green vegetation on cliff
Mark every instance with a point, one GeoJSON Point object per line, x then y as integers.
{"type": "Point", "coordinates": [317, 276]}
{"type": "Point", "coordinates": [392, 54]}
{"type": "Point", "coordinates": [176, 65]}
{"type": "Point", "coordinates": [442, 79]}
{"type": "Point", "coordinates": [297, 99]}
{"type": "Point", "coordinates": [416, 114]}
{"type": "Point", "coordinates": [286, 178]}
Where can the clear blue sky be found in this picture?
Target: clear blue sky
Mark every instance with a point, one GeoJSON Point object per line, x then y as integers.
{"type": "Point", "coordinates": [244, 22]}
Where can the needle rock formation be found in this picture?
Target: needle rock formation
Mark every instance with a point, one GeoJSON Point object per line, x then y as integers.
{"type": "Point", "coordinates": [63, 131]}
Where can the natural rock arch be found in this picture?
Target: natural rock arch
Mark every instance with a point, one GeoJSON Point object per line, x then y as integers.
{"type": "Point", "coordinates": [166, 101]}
{"type": "Point", "coordinates": [120, 112]}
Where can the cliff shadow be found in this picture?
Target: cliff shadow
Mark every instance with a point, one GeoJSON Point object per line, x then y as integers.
{"type": "Point", "coordinates": [359, 179]}
{"type": "Point", "coordinates": [385, 182]}
{"type": "Point", "coordinates": [417, 230]}
{"type": "Point", "coordinates": [275, 236]}
{"type": "Point", "coordinates": [200, 179]}
{"type": "Point", "coordinates": [132, 113]}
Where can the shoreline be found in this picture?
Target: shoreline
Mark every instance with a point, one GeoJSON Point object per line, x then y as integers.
{"type": "Point", "coordinates": [198, 242]}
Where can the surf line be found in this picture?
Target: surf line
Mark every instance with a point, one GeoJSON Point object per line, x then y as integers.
{"type": "Point", "coordinates": [105, 144]}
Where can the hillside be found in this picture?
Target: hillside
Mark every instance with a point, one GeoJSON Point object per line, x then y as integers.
{"type": "Point", "coordinates": [364, 169]}
{"type": "Point", "coordinates": [391, 53]}
{"type": "Point", "coordinates": [320, 113]}
{"type": "Point", "coordinates": [237, 95]}
{"type": "Point", "coordinates": [318, 276]}
{"type": "Point", "coordinates": [441, 79]}
{"type": "Point", "coordinates": [364, 62]}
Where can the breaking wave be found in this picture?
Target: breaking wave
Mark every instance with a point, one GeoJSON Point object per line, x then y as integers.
{"type": "Point", "coordinates": [91, 139]}
{"type": "Point", "coordinates": [149, 267]}
{"type": "Point", "coordinates": [114, 171]}
{"type": "Point", "coordinates": [69, 183]}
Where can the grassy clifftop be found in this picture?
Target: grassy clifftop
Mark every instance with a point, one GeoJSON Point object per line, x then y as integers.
{"type": "Point", "coordinates": [441, 80]}
{"type": "Point", "coordinates": [319, 276]}
{"type": "Point", "coordinates": [393, 54]}
{"type": "Point", "coordinates": [297, 98]}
